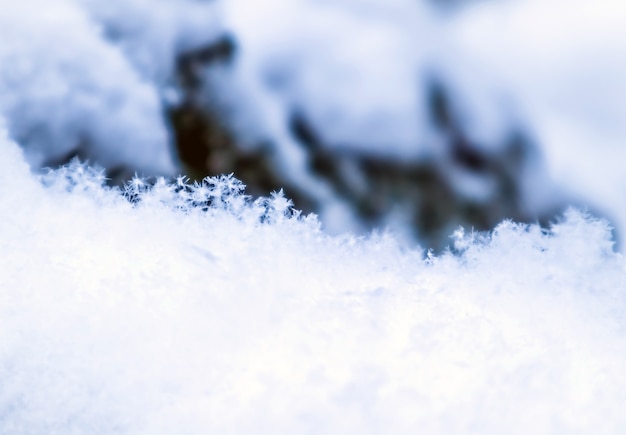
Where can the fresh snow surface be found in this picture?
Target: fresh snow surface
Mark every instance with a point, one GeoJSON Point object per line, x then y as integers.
{"type": "Point", "coordinates": [194, 310]}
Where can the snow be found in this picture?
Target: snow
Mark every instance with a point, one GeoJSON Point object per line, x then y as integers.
{"type": "Point", "coordinates": [87, 78]}
{"type": "Point", "coordinates": [152, 33]}
{"type": "Point", "coordinates": [74, 90]}
{"type": "Point", "coordinates": [564, 73]}
{"type": "Point", "coordinates": [94, 79]}
{"type": "Point", "coordinates": [359, 71]}
{"type": "Point", "coordinates": [193, 309]}
{"type": "Point", "coordinates": [363, 52]}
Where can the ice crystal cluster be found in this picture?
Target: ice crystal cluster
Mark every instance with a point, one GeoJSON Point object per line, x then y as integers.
{"type": "Point", "coordinates": [169, 307]}
{"type": "Point", "coordinates": [94, 79]}
{"type": "Point", "coordinates": [174, 307]}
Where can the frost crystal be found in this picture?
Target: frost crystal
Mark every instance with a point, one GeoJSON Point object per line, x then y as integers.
{"type": "Point", "coordinates": [168, 307]}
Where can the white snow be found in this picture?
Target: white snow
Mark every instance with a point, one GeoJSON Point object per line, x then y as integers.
{"type": "Point", "coordinates": [66, 88]}
{"type": "Point", "coordinates": [153, 32]}
{"type": "Point", "coordinates": [352, 67]}
{"type": "Point", "coordinates": [359, 71]}
{"type": "Point", "coordinates": [167, 315]}
{"type": "Point", "coordinates": [88, 77]}
{"type": "Point", "coordinates": [562, 63]}
{"type": "Point", "coordinates": [160, 318]}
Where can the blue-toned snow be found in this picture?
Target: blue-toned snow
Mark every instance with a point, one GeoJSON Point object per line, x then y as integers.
{"type": "Point", "coordinates": [162, 315]}
{"type": "Point", "coordinates": [96, 76]}
{"type": "Point", "coordinates": [165, 315]}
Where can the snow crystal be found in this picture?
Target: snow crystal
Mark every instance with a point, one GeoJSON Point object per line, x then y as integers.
{"type": "Point", "coordinates": [90, 78]}
{"type": "Point", "coordinates": [167, 307]}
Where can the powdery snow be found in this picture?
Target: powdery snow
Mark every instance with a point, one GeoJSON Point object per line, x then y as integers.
{"type": "Point", "coordinates": [192, 309]}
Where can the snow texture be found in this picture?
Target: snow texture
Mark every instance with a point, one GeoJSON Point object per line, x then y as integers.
{"type": "Point", "coordinates": [167, 307]}
{"type": "Point", "coordinates": [192, 309]}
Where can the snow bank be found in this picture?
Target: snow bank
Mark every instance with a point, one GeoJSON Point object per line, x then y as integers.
{"type": "Point", "coordinates": [553, 70]}
{"type": "Point", "coordinates": [68, 91]}
{"type": "Point", "coordinates": [153, 33]}
{"type": "Point", "coordinates": [93, 78]}
{"type": "Point", "coordinates": [355, 69]}
{"type": "Point", "coordinates": [88, 78]}
{"type": "Point", "coordinates": [562, 63]}
{"type": "Point", "coordinates": [192, 309]}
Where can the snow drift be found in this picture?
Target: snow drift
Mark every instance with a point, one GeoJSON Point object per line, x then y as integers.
{"type": "Point", "coordinates": [551, 70]}
{"type": "Point", "coordinates": [193, 309]}
{"type": "Point", "coordinates": [168, 307]}
{"type": "Point", "coordinates": [89, 78]}
{"type": "Point", "coordinates": [97, 79]}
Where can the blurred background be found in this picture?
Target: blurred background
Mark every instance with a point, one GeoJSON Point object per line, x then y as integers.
{"type": "Point", "coordinates": [412, 115]}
